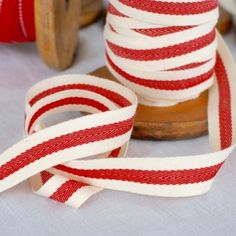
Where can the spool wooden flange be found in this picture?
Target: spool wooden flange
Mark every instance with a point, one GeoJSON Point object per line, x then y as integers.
{"type": "Point", "coordinates": [185, 120]}
{"type": "Point", "coordinates": [90, 11]}
{"type": "Point", "coordinates": [225, 21]}
{"type": "Point", "coordinates": [57, 23]}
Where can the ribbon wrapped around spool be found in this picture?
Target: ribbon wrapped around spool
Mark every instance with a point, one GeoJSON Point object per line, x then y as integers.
{"type": "Point", "coordinates": [157, 56]}
{"type": "Point", "coordinates": [54, 158]}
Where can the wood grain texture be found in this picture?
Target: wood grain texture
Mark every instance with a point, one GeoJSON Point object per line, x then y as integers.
{"type": "Point", "coordinates": [184, 120]}
{"type": "Point", "coordinates": [57, 24]}
{"type": "Point", "coordinates": [90, 11]}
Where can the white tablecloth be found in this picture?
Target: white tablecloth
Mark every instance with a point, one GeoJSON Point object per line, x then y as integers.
{"type": "Point", "coordinates": [109, 212]}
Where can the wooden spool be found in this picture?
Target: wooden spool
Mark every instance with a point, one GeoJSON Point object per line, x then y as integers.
{"type": "Point", "coordinates": [57, 23]}
{"type": "Point", "coordinates": [225, 21]}
{"type": "Point", "coordinates": [185, 120]}
{"type": "Point", "coordinates": [90, 11]}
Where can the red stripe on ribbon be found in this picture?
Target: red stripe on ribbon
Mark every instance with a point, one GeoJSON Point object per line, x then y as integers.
{"type": "Point", "coordinates": [115, 152]}
{"type": "Point", "coordinates": [163, 85]}
{"type": "Point", "coordinates": [164, 52]}
{"type": "Point", "coordinates": [172, 177]}
{"type": "Point", "coordinates": [65, 142]}
{"type": "Point", "coordinates": [225, 115]}
{"type": "Point", "coordinates": [66, 190]}
{"type": "Point", "coordinates": [111, 95]}
{"type": "Point", "coordinates": [189, 66]}
{"type": "Point", "coordinates": [172, 8]}
{"type": "Point", "coordinates": [64, 102]}
{"type": "Point", "coordinates": [112, 10]}
{"type": "Point", "coordinates": [45, 176]}
{"type": "Point", "coordinates": [155, 32]}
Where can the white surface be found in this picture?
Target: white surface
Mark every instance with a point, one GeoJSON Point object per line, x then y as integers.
{"type": "Point", "coordinates": [109, 212]}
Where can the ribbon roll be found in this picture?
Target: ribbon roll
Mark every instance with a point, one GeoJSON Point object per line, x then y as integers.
{"type": "Point", "coordinates": [17, 21]}
{"type": "Point", "coordinates": [160, 49]}
{"type": "Point", "coordinates": [71, 161]}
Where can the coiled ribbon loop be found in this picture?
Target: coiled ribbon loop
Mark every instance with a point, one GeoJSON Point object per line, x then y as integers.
{"type": "Point", "coordinates": [160, 48]}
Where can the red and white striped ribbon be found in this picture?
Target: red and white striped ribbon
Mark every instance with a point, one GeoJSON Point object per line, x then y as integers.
{"type": "Point", "coordinates": [72, 160]}
{"type": "Point", "coordinates": [160, 49]}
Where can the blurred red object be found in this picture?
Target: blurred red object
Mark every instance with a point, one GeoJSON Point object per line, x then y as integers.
{"type": "Point", "coordinates": [17, 21]}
